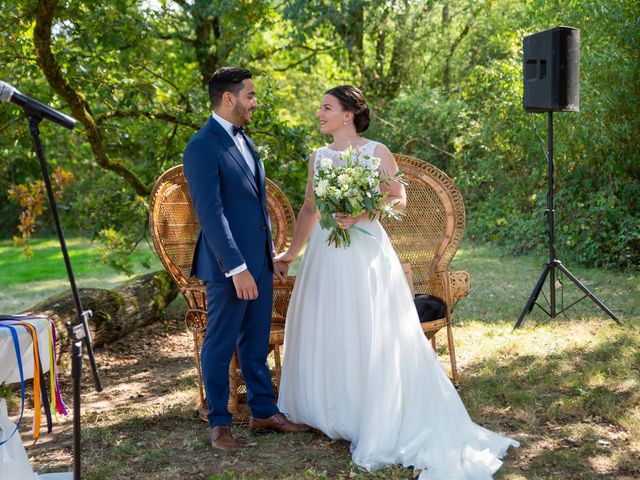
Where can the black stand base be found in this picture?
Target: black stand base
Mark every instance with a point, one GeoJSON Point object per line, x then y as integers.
{"type": "Point", "coordinates": [550, 270]}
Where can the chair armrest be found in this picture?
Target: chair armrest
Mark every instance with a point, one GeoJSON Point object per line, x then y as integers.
{"type": "Point", "coordinates": [437, 285]}
{"type": "Point", "coordinates": [459, 284]}
{"type": "Point", "coordinates": [195, 295]}
{"type": "Point", "coordinates": [281, 296]}
{"type": "Point", "coordinates": [449, 286]}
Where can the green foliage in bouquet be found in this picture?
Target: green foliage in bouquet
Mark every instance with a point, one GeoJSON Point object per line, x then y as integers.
{"type": "Point", "coordinates": [352, 189]}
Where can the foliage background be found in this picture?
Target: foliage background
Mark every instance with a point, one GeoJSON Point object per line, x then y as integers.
{"type": "Point", "coordinates": [443, 79]}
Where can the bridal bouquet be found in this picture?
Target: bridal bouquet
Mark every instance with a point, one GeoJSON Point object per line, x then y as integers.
{"type": "Point", "coordinates": [352, 189]}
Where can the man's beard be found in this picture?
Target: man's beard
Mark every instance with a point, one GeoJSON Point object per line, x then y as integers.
{"type": "Point", "coordinates": [241, 113]}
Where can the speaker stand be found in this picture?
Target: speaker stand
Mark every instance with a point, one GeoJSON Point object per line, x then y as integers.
{"type": "Point", "coordinates": [554, 264]}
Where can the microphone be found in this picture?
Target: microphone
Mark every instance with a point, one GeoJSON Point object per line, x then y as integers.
{"type": "Point", "coordinates": [8, 93]}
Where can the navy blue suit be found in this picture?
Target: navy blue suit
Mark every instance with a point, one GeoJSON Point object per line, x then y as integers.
{"type": "Point", "coordinates": [231, 206]}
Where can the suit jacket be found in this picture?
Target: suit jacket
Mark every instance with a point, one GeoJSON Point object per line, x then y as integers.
{"type": "Point", "coordinates": [231, 207]}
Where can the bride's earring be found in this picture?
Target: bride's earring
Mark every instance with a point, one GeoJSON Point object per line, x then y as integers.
{"type": "Point", "coordinates": [344, 122]}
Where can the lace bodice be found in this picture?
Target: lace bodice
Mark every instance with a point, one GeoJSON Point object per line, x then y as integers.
{"type": "Point", "coordinates": [367, 149]}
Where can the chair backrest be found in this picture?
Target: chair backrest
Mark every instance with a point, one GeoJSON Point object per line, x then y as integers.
{"type": "Point", "coordinates": [174, 225]}
{"type": "Point", "coordinates": [428, 236]}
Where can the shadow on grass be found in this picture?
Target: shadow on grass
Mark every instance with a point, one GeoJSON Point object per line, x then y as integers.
{"type": "Point", "coordinates": [567, 408]}
{"type": "Point", "coordinates": [572, 409]}
{"type": "Point", "coordinates": [176, 445]}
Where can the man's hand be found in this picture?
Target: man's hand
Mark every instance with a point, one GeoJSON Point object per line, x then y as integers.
{"type": "Point", "coordinates": [246, 287]}
{"type": "Point", "coordinates": [281, 270]}
{"type": "Point", "coordinates": [281, 264]}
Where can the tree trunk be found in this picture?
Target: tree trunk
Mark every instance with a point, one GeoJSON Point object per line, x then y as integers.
{"type": "Point", "coordinates": [132, 305]}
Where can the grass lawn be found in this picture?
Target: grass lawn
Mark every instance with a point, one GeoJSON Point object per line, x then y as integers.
{"type": "Point", "coordinates": [26, 282]}
{"type": "Point", "coordinates": [566, 388]}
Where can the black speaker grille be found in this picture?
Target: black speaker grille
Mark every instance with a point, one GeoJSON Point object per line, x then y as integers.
{"type": "Point", "coordinates": [551, 70]}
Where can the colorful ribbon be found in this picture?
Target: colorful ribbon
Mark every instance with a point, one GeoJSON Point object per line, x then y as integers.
{"type": "Point", "coordinates": [40, 394]}
{"type": "Point", "coordinates": [16, 346]}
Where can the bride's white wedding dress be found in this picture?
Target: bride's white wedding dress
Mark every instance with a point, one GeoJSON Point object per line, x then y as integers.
{"type": "Point", "coordinates": [358, 367]}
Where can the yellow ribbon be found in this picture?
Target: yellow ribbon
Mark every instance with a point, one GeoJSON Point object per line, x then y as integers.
{"type": "Point", "coordinates": [36, 379]}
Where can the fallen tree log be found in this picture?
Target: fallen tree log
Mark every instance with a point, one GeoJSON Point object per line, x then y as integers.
{"type": "Point", "coordinates": [134, 304]}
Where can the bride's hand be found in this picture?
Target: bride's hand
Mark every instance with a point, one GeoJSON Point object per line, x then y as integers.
{"type": "Point", "coordinates": [281, 264]}
{"type": "Point", "coordinates": [285, 257]}
{"type": "Point", "coordinates": [345, 221]}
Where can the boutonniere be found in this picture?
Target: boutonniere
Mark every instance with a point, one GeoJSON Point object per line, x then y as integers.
{"type": "Point", "coordinates": [263, 154]}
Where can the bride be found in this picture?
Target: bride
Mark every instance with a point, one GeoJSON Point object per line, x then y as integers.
{"type": "Point", "coordinates": [356, 363]}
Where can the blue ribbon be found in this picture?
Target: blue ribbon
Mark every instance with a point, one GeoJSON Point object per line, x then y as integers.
{"type": "Point", "coordinates": [16, 346]}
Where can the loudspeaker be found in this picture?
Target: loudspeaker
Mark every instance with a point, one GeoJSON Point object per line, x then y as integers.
{"type": "Point", "coordinates": [552, 70]}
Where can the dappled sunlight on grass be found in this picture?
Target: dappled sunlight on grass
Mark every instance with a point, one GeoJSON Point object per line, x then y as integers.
{"type": "Point", "coordinates": [571, 389]}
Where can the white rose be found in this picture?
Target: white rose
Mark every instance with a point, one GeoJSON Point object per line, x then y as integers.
{"type": "Point", "coordinates": [325, 163]}
{"type": "Point", "coordinates": [321, 187]}
{"type": "Point", "coordinates": [344, 179]}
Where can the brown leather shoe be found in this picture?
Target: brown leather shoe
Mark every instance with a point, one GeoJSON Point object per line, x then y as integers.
{"type": "Point", "coordinates": [277, 423]}
{"type": "Point", "coordinates": [221, 439]}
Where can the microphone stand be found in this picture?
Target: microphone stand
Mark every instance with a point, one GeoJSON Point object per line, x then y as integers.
{"type": "Point", "coordinates": [79, 331]}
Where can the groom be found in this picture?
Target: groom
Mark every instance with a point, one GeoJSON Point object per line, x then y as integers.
{"type": "Point", "coordinates": [233, 256]}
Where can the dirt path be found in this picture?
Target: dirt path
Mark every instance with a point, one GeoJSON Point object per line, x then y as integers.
{"type": "Point", "coordinates": [143, 425]}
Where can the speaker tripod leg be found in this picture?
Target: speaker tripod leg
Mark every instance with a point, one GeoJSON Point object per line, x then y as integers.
{"type": "Point", "coordinates": [586, 291]}
{"type": "Point", "coordinates": [534, 295]}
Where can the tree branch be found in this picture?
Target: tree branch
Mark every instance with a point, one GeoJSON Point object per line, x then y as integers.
{"type": "Point", "coordinates": [203, 27]}
{"type": "Point", "coordinates": [425, 141]}
{"type": "Point", "coordinates": [269, 53]}
{"type": "Point", "coordinates": [428, 143]}
{"type": "Point", "coordinates": [446, 74]}
{"type": "Point", "coordinates": [45, 11]}
{"type": "Point", "coordinates": [175, 87]}
{"type": "Point", "coordinates": [167, 117]}
{"type": "Point", "coordinates": [167, 151]}
{"type": "Point", "coordinates": [298, 62]}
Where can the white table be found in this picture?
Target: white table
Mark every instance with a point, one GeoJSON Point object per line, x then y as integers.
{"type": "Point", "coordinates": [14, 463]}
{"type": "Point", "coordinates": [9, 372]}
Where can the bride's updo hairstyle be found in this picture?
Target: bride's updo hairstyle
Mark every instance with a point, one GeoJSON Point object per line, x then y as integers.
{"type": "Point", "coordinates": [352, 100]}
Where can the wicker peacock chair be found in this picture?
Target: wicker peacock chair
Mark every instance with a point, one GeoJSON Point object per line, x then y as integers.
{"type": "Point", "coordinates": [174, 230]}
{"type": "Point", "coordinates": [427, 238]}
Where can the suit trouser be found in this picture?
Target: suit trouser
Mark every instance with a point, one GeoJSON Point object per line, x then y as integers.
{"type": "Point", "coordinates": [244, 324]}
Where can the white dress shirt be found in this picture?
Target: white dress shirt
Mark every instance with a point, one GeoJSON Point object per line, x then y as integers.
{"type": "Point", "coordinates": [239, 140]}
{"type": "Point", "coordinates": [246, 154]}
